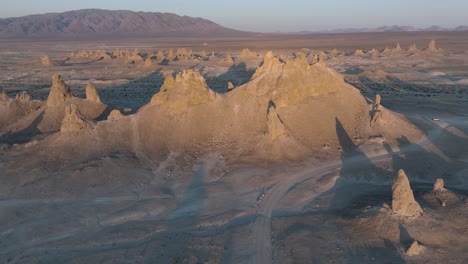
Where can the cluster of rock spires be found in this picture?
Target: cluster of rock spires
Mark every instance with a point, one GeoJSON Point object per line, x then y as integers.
{"type": "Point", "coordinates": [188, 88]}
{"type": "Point", "coordinates": [159, 57]}
{"type": "Point", "coordinates": [397, 50]}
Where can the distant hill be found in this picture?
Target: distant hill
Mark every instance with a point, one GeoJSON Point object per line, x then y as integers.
{"type": "Point", "coordinates": [394, 28]}
{"type": "Point", "coordinates": [106, 22]}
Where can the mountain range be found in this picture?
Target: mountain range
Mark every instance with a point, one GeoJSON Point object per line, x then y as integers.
{"type": "Point", "coordinates": [394, 28]}
{"type": "Point", "coordinates": [106, 22]}
{"type": "Point", "coordinates": [99, 22]}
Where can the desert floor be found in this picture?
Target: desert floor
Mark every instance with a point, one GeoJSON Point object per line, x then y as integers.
{"type": "Point", "coordinates": [331, 208]}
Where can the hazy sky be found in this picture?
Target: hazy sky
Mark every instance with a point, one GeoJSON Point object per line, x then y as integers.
{"type": "Point", "coordinates": [274, 15]}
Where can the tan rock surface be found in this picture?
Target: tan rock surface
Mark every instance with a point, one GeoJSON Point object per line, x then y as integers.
{"type": "Point", "coordinates": [187, 89]}
{"type": "Point", "coordinates": [403, 202]}
{"type": "Point", "coordinates": [92, 94]}
{"type": "Point", "coordinates": [74, 120]}
{"type": "Point", "coordinates": [59, 92]}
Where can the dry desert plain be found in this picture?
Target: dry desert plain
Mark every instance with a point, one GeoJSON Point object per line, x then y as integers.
{"type": "Point", "coordinates": [220, 151]}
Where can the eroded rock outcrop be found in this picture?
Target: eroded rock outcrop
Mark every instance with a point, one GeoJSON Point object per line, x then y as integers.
{"type": "Point", "coordinates": [376, 112]}
{"type": "Point", "coordinates": [439, 186]}
{"type": "Point", "coordinates": [23, 97]}
{"type": "Point", "coordinates": [74, 120]}
{"type": "Point", "coordinates": [403, 202]}
{"type": "Point", "coordinates": [92, 94]}
{"type": "Point", "coordinates": [59, 92]}
{"type": "Point", "coordinates": [188, 88]}
{"type": "Point", "coordinates": [293, 81]}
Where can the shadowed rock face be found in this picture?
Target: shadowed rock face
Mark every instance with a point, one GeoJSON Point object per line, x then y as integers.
{"type": "Point", "coordinates": [403, 202]}
{"type": "Point", "coordinates": [74, 120]}
{"type": "Point", "coordinates": [187, 89]}
{"type": "Point", "coordinates": [275, 125]}
{"type": "Point", "coordinates": [59, 92]}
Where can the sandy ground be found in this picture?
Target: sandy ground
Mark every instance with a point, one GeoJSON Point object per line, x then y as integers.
{"type": "Point", "coordinates": [332, 208]}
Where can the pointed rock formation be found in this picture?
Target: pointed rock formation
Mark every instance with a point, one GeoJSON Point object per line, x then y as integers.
{"type": "Point", "coordinates": [397, 48]}
{"type": "Point", "coordinates": [149, 62]}
{"type": "Point", "coordinates": [414, 249]}
{"type": "Point", "coordinates": [74, 120]}
{"type": "Point", "coordinates": [203, 54]}
{"type": "Point", "coordinates": [114, 115]}
{"type": "Point", "coordinates": [295, 80]}
{"type": "Point", "coordinates": [377, 101]}
{"type": "Point", "coordinates": [373, 52]}
{"type": "Point", "coordinates": [275, 126]}
{"type": "Point", "coordinates": [92, 94]}
{"type": "Point", "coordinates": [188, 88]}
{"type": "Point", "coordinates": [376, 112]}
{"type": "Point", "coordinates": [46, 61]}
{"type": "Point", "coordinates": [160, 56]}
{"type": "Point", "coordinates": [413, 49]}
{"type": "Point", "coordinates": [403, 202]}
{"type": "Point", "coordinates": [59, 92]}
{"type": "Point", "coordinates": [247, 55]}
{"type": "Point", "coordinates": [230, 86]}
{"type": "Point", "coordinates": [431, 48]}
{"type": "Point", "coordinates": [270, 62]}
{"type": "Point", "coordinates": [439, 186]}
{"type": "Point", "coordinates": [3, 95]}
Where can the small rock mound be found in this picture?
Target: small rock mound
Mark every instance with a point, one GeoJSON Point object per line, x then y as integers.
{"type": "Point", "coordinates": [92, 94]}
{"type": "Point", "coordinates": [373, 52]}
{"type": "Point", "coordinates": [59, 92]}
{"type": "Point", "coordinates": [414, 249]}
{"type": "Point", "coordinates": [23, 97]}
{"type": "Point", "coordinates": [188, 88]}
{"type": "Point", "coordinates": [114, 115]}
{"type": "Point", "coordinates": [74, 120]}
{"type": "Point", "coordinates": [439, 186]}
{"type": "Point", "coordinates": [45, 61]}
{"type": "Point", "coordinates": [230, 86]}
{"type": "Point", "coordinates": [3, 95]}
{"type": "Point", "coordinates": [359, 52]}
{"type": "Point", "coordinates": [247, 55]}
{"type": "Point", "coordinates": [403, 202]}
